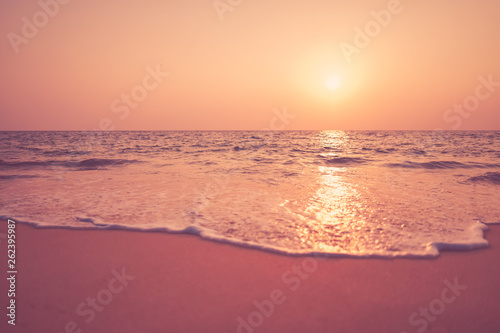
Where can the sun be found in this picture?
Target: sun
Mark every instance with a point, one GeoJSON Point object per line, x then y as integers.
{"type": "Point", "coordinates": [333, 82]}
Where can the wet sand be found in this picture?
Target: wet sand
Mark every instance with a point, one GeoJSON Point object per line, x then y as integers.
{"type": "Point", "coordinates": [123, 281]}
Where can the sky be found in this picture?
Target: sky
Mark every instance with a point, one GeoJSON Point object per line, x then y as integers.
{"type": "Point", "coordinates": [237, 64]}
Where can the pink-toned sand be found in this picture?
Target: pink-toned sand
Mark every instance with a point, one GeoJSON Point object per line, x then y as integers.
{"type": "Point", "coordinates": [184, 284]}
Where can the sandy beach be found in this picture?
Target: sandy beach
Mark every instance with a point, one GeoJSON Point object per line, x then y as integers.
{"type": "Point", "coordinates": [121, 281]}
{"type": "Point", "coordinates": [175, 165]}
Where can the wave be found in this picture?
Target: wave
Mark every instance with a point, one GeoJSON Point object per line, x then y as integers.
{"type": "Point", "coordinates": [91, 163]}
{"type": "Point", "coordinates": [441, 165]}
{"type": "Point", "coordinates": [20, 165]}
{"type": "Point", "coordinates": [295, 150]}
{"type": "Point", "coordinates": [101, 162]}
{"type": "Point", "coordinates": [346, 161]}
{"type": "Point", "coordinates": [65, 152]}
{"type": "Point", "coordinates": [385, 151]}
{"type": "Point", "coordinates": [10, 177]}
{"type": "Point", "coordinates": [432, 250]}
{"type": "Point", "coordinates": [489, 177]}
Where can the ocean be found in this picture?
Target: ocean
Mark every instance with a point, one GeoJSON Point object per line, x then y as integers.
{"type": "Point", "coordinates": [337, 193]}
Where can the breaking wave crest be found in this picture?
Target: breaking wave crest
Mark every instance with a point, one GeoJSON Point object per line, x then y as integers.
{"type": "Point", "coordinates": [442, 165]}
{"type": "Point", "coordinates": [91, 163]}
{"type": "Point", "coordinates": [345, 161]}
{"type": "Point", "coordinates": [489, 177]}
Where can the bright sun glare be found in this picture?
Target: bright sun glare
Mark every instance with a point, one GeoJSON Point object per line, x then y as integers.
{"type": "Point", "coordinates": [333, 82]}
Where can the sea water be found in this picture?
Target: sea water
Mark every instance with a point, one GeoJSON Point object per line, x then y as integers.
{"type": "Point", "coordinates": [340, 193]}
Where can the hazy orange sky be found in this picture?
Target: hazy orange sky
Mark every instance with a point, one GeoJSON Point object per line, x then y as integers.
{"type": "Point", "coordinates": [72, 65]}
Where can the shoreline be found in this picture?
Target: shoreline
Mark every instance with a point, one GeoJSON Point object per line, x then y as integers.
{"type": "Point", "coordinates": [439, 247]}
{"type": "Point", "coordinates": [117, 280]}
